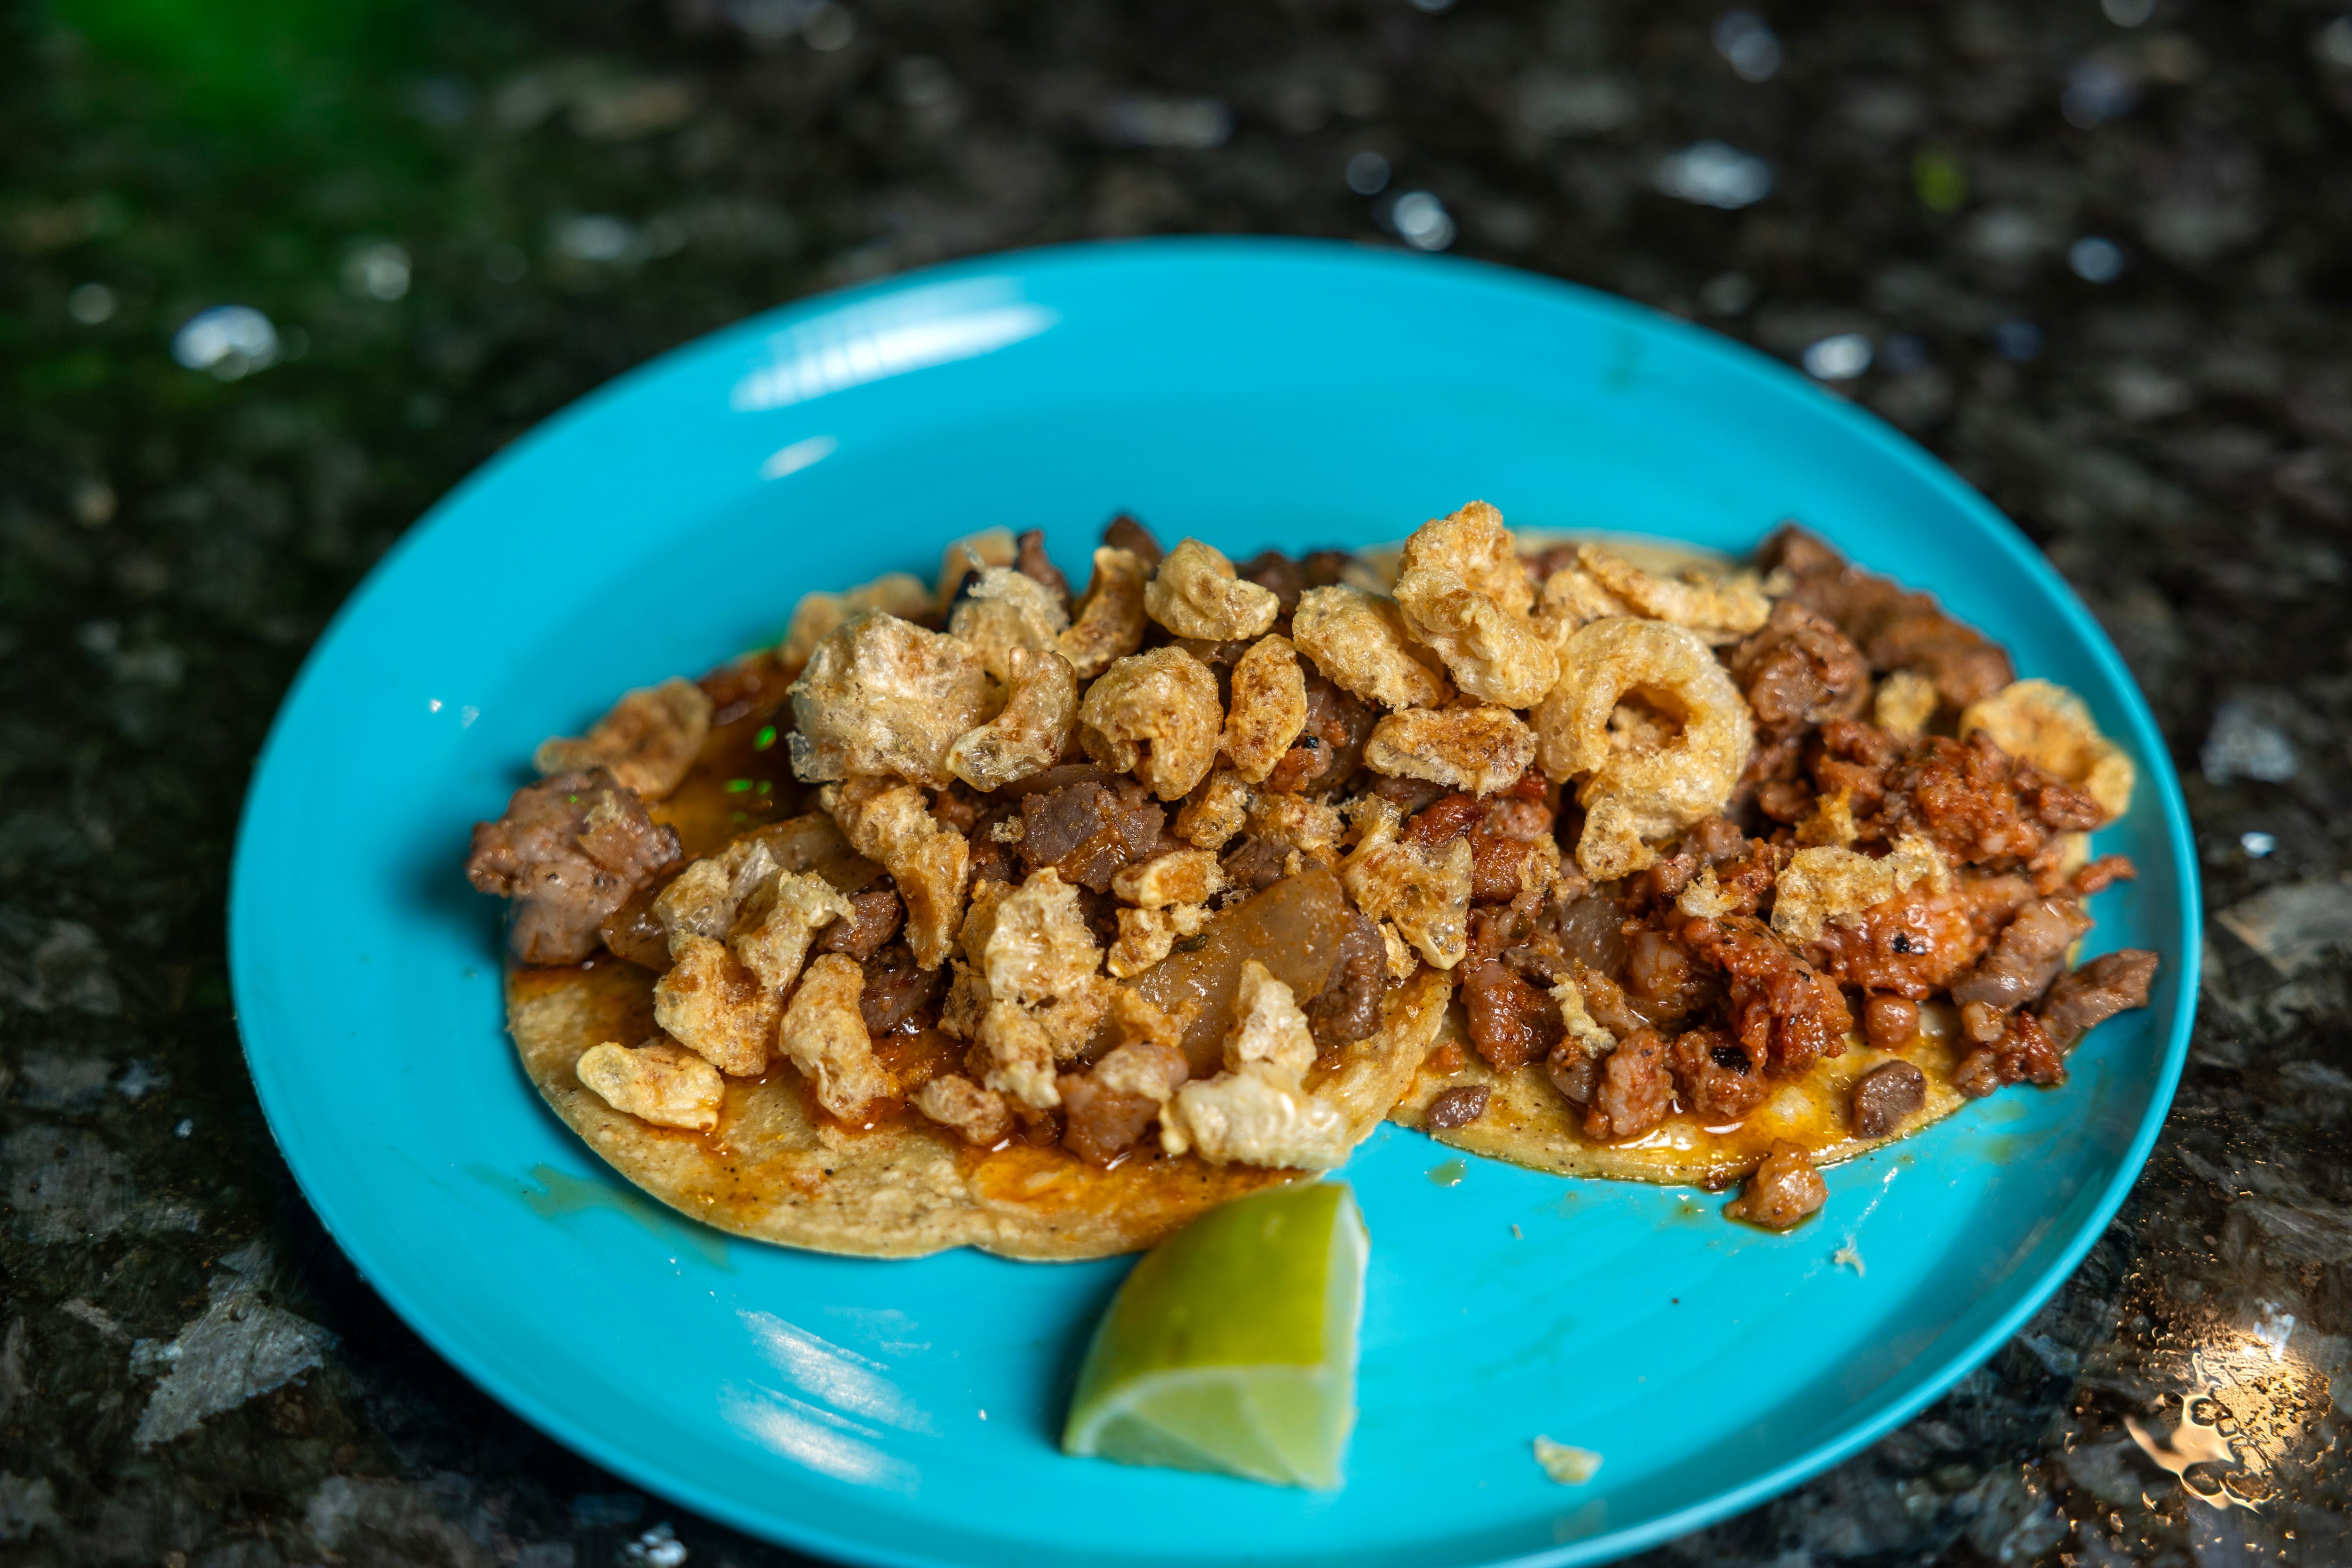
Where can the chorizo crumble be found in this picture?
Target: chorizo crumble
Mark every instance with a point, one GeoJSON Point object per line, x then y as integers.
{"type": "Point", "coordinates": [1129, 870]}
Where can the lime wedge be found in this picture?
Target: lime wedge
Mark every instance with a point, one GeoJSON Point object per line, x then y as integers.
{"type": "Point", "coordinates": [1232, 1347]}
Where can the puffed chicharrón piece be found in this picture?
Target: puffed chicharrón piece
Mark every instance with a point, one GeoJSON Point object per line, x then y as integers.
{"type": "Point", "coordinates": [883, 696]}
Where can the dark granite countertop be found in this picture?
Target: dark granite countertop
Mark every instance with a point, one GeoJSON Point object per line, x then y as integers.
{"type": "Point", "coordinates": [2097, 258]}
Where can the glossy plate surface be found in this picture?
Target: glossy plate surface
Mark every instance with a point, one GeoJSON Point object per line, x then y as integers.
{"type": "Point", "coordinates": [1253, 394]}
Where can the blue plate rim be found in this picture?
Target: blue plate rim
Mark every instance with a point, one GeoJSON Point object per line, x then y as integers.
{"type": "Point", "coordinates": [1730, 355]}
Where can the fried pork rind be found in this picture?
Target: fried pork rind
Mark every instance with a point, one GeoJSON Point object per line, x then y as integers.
{"type": "Point", "coordinates": [1298, 822]}
{"type": "Point", "coordinates": [1030, 736]}
{"type": "Point", "coordinates": [824, 1035]}
{"type": "Point", "coordinates": [1268, 709]}
{"type": "Point", "coordinates": [1196, 595]}
{"type": "Point", "coordinates": [891, 823]}
{"type": "Point", "coordinates": [1721, 608]}
{"type": "Point", "coordinates": [1111, 619]}
{"type": "Point", "coordinates": [1258, 1111]}
{"type": "Point", "coordinates": [1147, 936]}
{"type": "Point", "coordinates": [1216, 811]}
{"type": "Point", "coordinates": [716, 1008]}
{"type": "Point", "coordinates": [1179, 876]}
{"type": "Point", "coordinates": [977, 1115]}
{"type": "Point", "coordinates": [1582, 1027]}
{"type": "Point", "coordinates": [1003, 612]}
{"type": "Point", "coordinates": [1904, 703]}
{"type": "Point", "coordinates": [1473, 545]}
{"type": "Point", "coordinates": [1465, 595]}
{"type": "Point", "coordinates": [658, 1081]}
{"type": "Point", "coordinates": [1480, 750]}
{"type": "Point", "coordinates": [779, 921]}
{"type": "Point", "coordinates": [1635, 788]}
{"type": "Point", "coordinates": [973, 552]}
{"type": "Point", "coordinates": [1827, 883]}
{"type": "Point", "coordinates": [648, 741]}
{"type": "Point", "coordinates": [814, 617]}
{"type": "Point", "coordinates": [1268, 1026]}
{"type": "Point", "coordinates": [1360, 642]}
{"type": "Point", "coordinates": [1039, 959]}
{"type": "Point", "coordinates": [883, 696]}
{"type": "Point", "coordinates": [1424, 891]}
{"type": "Point", "coordinates": [2050, 727]}
{"type": "Point", "coordinates": [707, 898]}
{"type": "Point", "coordinates": [1164, 700]}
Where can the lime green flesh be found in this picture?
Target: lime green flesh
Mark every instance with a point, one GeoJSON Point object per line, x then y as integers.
{"type": "Point", "coordinates": [1232, 1347]}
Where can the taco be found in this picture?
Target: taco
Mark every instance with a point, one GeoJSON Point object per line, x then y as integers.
{"type": "Point", "coordinates": [986, 915]}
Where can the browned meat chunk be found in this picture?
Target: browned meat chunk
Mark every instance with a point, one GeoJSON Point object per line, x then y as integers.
{"type": "Point", "coordinates": [1033, 564]}
{"type": "Point", "coordinates": [2024, 1051]}
{"type": "Point", "coordinates": [1455, 1108]}
{"type": "Point", "coordinates": [1106, 1108]}
{"type": "Point", "coordinates": [1573, 1072]}
{"type": "Point", "coordinates": [1273, 570]}
{"type": "Point", "coordinates": [2101, 874]}
{"type": "Point", "coordinates": [1787, 1015]}
{"type": "Point", "coordinates": [1633, 1091]}
{"type": "Point", "coordinates": [1663, 981]}
{"type": "Point", "coordinates": [2027, 958]}
{"type": "Point", "coordinates": [1511, 1022]}
{"type": "Point", "coordinates": [1798, 671]}
{"type": "Point", "coordinates": [1090, 831]}
{"type": "Point", "coordinates": [1409, 796]}
{"type": "Point", "coordinates": [1884, 1096]}
{"type": "Point", "coordinates": [1851, 757]}
{"type": "Point", "coordinates": [1330, 748]}
{"type": "Point", "coordinates": [874, 919]}
{"type": "Point", "coordinates": [1509, 828]}
{"type": "Point", "coordinates": [1918, 942]}
{"type": "Point", "coordinates": [1255, 864]}
{"type": "Point", "coordinates": [569, 851]}
{"type": "Point", "coordinates": [2111, 984]}
{"type": "Point", "coordinates": [1349, 1006]}
{"type": "Point", "coordinates": [897, 988]}
{"type": "Point", "coordinates": [633, 933]}
{"type": "Point", "coordinates": [1981, 806]}
{"type": "Point", "coordinates": [1444, 820]}
{"type": "Point", "coordinates": [1784, 1190]}
{"type": "Point", "coordinates": [1890, 1022]}
{"type": "Point", "coordinates": [1715, 1076]}
{"type": "Point", "coordinates": [1894, 628]}
{"type": "Point", "coordinates": [1125, 534]}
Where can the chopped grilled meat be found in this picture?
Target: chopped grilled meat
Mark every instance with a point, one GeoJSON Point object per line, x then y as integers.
{"type": "Point", "coordinates": [2080, 1001]}
{"type": "Point", "coordinates": [2024, 1050]}
{"type": "Point", "coordinates": [2028, 957]}
{"type": "Point", "coordinates": [1797, 671]}
{"type": "Point", "coordinates": [1033, 564]}
{"type": "Point", "coordinates": [633, 933]}
{"type": "Point", "coordinates": [1455, 1108]}
{"type": "Point", "coordinates": [1125, 534]}
{"type": "Point", "coordinates": [1511, 1022]}
{"type": "Point", "coordinates": [1663, 981]}
{"type": "Point", "coordinates": [1330, 748]}
{"type": "Point", "coordinates": [897, 988]}
{"type": "Point", "coordinates": [1106, 1113]}
{"type": "Point", "coordinates": [1255, 864]}
{"type": "Point", "coordinates": [874, 919]}
{"type": "Point", "coordinates": [1786, 1014]}
{"type": "Point", "coordinates": [1573, 1072]}
{"type": "Point", "coordinates": [1349, 1006]}
{"type": "Point", "coordinates": [1634, 1090]}
{"type": "Point", "coordinates": [2101, 874]}
{"type": "Point", "coordinates": [1089, 831]}
{"type": "Point", "coordinates": [569, 851]}
{"type": "Point", "coordinates": [1715, 1076]}
{"type": "Point", "coordinates": [1920, 941]}
{"type": "Point", "coordinates": [1273, 569]}
{"type": "Point", "coordinates": [1784, 1190]}
{"type": "Point", "coordinates": [1884, 1096]}
{"type": "Point", "coordinates": [1411, 796]}
{"type": "Point", "coordinates": [1980, 806]}
{"type": "Point", "coordinates": [1851, 757]}
{"type": "Point", "coordinates": [1894, 628]}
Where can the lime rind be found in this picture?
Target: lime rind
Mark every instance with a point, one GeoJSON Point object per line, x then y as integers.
{"type": "Point", "coordinates": [1232, 1347]}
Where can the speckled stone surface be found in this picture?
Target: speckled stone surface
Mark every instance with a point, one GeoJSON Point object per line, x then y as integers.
{"type": "Point", "coordinates": [455, 218]}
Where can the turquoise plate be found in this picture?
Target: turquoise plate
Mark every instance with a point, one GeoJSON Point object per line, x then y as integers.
{"type": "Point", "coordinates": [1253, 394]}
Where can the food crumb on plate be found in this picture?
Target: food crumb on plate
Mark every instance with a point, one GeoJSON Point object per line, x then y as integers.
{"type": "Point", "coordinates": [1849, 1256]}
{"type": "Point", "coordinates": [1571, 1467]}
